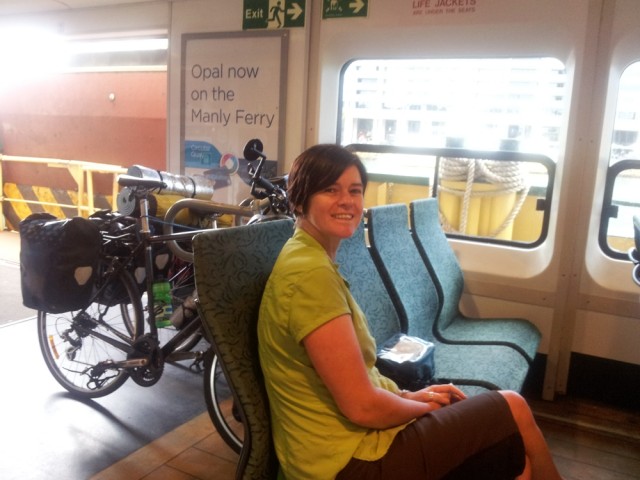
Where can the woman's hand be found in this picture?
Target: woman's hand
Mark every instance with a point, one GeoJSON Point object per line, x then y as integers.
{"type": "Point", "coordinates": [442, 395]}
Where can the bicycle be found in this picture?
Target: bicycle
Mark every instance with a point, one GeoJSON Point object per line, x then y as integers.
{"type": "Point", "coordinates": [92, 351]}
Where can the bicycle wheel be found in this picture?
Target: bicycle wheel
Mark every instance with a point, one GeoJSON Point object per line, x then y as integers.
{"type": "Point", "coordinates": [183, 293]}
{"type": "Point", "coordinates": [220, 404]}
{"type": "Point", "coordinates": [76, 345]}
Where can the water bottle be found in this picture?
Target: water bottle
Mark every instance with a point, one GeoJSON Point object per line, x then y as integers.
{"type": "Point", "coordinates": [163, 306]}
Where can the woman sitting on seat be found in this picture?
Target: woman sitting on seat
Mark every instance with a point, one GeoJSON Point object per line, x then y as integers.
{"type": "Point", "coordinates": [333, 414]}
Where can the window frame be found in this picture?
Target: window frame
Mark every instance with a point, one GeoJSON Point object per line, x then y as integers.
{"type": "Point", "coordinates": [542, 204]}
{"type": "Point", "coordinates": [609, 209]}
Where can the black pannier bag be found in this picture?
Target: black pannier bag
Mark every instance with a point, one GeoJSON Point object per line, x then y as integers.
{"type": "Point", "coordinates": [115, 224]}
{"type": "Point", "coordinates": [114, 292]}
{"type": "Point", "coordinates": [58, 262]}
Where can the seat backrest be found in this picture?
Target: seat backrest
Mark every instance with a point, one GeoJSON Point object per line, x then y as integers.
{"type": "Point", "coordinates": [232, 266]}
{"type": "Point", "coordinates": [438, 255]}
{"type": "Point", "coordinates": [404, 273]}
{"type": "Point", "coordinates": [357, 267]}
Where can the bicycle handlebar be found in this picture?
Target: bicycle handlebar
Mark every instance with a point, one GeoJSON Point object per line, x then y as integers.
{"type": "Point", "coordinates": [272, 199]}
{"type": "Point", "coordinates": [138, 182]}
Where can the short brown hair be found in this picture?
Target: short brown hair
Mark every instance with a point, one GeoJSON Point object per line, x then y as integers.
{"type": "Point", "coordinates": [317, 168]}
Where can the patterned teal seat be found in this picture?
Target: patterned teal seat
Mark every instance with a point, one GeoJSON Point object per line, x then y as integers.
{"type": "Point", "coordinates": [357, 268]}
{"type": "Point", "coordinates": [452, 325]}
{"type": "Point", "coordinates": [416, 299]}
{"type": "Point", "coordinates": [232, 266]}
{"type": "Point", "coordinates": [367, 287]}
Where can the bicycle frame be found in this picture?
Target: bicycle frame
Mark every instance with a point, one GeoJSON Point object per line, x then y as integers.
{"type": "Point", "coordinates": [148, 240]}
{"type": "Point", "coordinates": [203, 207]}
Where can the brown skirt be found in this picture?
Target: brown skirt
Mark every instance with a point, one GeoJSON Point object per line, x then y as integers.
{"type": "Point", "coordinates": [476, 438]}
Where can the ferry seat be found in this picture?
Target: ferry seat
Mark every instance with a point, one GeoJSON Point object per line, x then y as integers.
{"type": "Point", "coordinates": [368, 289]}
{"type": "Point", "coordinates": [357, 268]}
{"type": "Point", "coordinates": [232, 266]}
{"type": "Point", "coordinates": [452, 325]}
{"type": "Point", "coordinates": [394, 258]}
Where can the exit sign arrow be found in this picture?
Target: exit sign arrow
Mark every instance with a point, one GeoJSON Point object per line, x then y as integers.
{"type": "Point", "coordinates": [295, 11]}
{"type": "Point", "coordinates": [344, 8]}
{"type": "Point", "coordinates": [357, 6]}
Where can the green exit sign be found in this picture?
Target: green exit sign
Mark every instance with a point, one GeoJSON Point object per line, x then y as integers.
{"type": "Point", "coordinates": [344, 8]}
{"type": "Point", "coordinates": [272, 14]}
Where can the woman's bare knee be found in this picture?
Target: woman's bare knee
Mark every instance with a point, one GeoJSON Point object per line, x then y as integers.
{"type": "Point", "coordinates": [519, 408]}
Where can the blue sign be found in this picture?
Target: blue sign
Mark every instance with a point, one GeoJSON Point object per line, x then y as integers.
{"type": "Point", "coordinates": [199, 154]}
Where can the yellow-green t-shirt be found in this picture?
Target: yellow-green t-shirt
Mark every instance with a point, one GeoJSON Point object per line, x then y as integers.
{"type": "Point", "coordinates": [313, 439]}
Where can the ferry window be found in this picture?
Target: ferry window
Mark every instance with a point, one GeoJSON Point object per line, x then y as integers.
{"type": "Point", "coordinates": [107, 91]}
{"type": "Point", "coordinates": [119, 54]}
{"type": "Point", "coordinates": [31, 53]}
{"type": "Point", "coordinates": [481, 135]}
{"type": "Point", "coordinates": [621, 201]}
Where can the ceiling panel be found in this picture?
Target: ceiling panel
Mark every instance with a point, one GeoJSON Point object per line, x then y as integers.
{"type": "Point", "coordinates": [19, 7]}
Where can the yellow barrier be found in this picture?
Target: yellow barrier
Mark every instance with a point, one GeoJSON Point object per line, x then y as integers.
{"type": "Point", "coordinates": [82, 173]}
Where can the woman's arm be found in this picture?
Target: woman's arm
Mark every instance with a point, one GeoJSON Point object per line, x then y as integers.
{"type": "Point", "coordinates": [335, 353]}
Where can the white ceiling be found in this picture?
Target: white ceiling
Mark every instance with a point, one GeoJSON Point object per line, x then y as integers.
{"type": "Point", "coordinates": [19, 7]}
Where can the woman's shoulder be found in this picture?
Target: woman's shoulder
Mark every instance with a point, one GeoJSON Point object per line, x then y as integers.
{"type": "Point", "coordinates": [302, 253]}
{"type": "Point", "coordinates": [300, 265]}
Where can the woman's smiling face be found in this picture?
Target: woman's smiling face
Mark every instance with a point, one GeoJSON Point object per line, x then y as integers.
{"type": "Point", "coordinates": [334, 213]}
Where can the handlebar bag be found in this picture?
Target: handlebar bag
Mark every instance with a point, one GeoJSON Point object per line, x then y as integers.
{"type": "Point", "coordinates": [408, 361]}
{"type": "Point", "coordinates": [58, 262]}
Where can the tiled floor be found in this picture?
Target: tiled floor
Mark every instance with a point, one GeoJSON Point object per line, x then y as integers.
{"type": "Point", "coordinates": [192, 451]}
{"type": "Point", "coordinates": [599, 449]}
